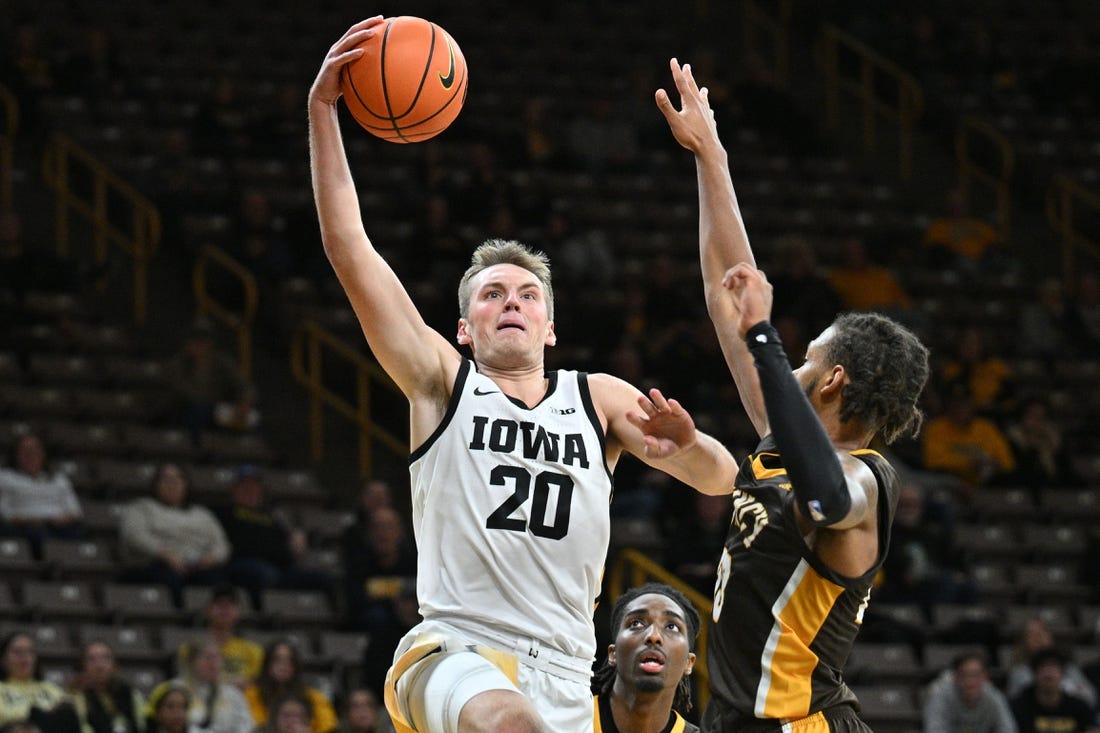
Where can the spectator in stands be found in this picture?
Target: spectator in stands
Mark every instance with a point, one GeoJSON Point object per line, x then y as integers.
{"type": "Point", "coordinates": [374, 493]}
{"type": "Point", "coordinates": [167, 710]}
{"type": "Point", "coordinates": [362, 712]}
{"type": "Point", "coordinates": [582, 260]}
{"type": "Point", "coordinates": [1041, 456]}
{"type": "Point", "coordinates": [267, 548]}
{"type": "Point", "coordinates": [988, 379]}
{"type": "Point", "coordinates": [865, 286]}
{"type": "Point", "coordinates": [540, 137]}
{"type": "Point", "coordinates": [28, 69]}
{"type": "Point", "coordinates": [1066, 83]}
{"type": "Point", "coordinates": [216, 706]}
{"type": "Point", "coordinates": [260, 240]}
{"type": "Point", "coordinates": [377, 573]}
{"type": "Point", "coordinates": [24, 695]}
{"type": "Point", "coordinates": [279, 126]}
{"type": "Point", "coordinates": [1084, 314]}
{"type": "Point", "coordinates": [805, 304]}
{"type": "Point", "coordinates": [104, 701]}
{"type": "Point", "coordinates": [966, 445]}
{"type": "Point", "coordinates": [958, 239]}
{"type": "Point", "coordinates": [290, 714]}
{"type": "Point", "coordinates": [963, 700]}
{"type": "Point", "coordinates": [202, 377]}
{"type": "Point", "coordinates": [93, 70]}
{"type": "Point", "coordinates": [482, 187]}
{"type": "Point", "coordinates": [1045, 706]}
{"type": "Point", "coordinates": [242, 415]}
{"type": "Point", "coordinates": [20, 726]}
{"type": "Point", "coordinates": [222, 125]}
{"type": "Point", "coordinates": [599, 140]}
{"type": "Point", "coordinates": [1045, 323]}
{"type": "Point", "coordinates": [924, 565]}
{"type": "Point", "coordinates": [1036, 637]}
{"type": "Point", "coordinates": [376, 657]}
{"type": "Point", "coordinates": [281, 678]}
{"type": "Point", "coordinates": [242, 659]}
{"type": "Point", "coordinates": [35, 502]}
{"type": "Point", "coordinates": [26, 267]}
{"type": "Point", "coordinates": [697, 548]}
{"type": "Point", "coordinates": [166, 539]}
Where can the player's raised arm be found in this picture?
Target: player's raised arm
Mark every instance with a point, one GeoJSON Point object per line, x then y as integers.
{"type": "Point", "coordinates": [723, 241]}
{"type": "Point", "coordinates": [661, 433]}
{"type": "Point", "coordinates": [418, 358]}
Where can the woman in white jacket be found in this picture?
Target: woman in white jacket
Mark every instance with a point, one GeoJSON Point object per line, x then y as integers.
{"type": "Point", "coordinates": [167, 539]}
{"type": "Point", "coordinates": [214, 706]}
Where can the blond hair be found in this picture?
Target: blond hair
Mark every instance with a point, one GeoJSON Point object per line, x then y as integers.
{"type": "Point", "coordinates": [506, 252]}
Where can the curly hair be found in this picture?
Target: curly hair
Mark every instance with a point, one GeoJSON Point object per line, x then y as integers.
{"type": "Point", "coordinates": [887, 366]}
{"type": "Point", "coordinates": [506, 252]}
{"type": "Point", "coordinates": [604, 679]}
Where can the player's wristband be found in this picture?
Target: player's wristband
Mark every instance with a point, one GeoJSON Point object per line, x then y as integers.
{"type": "Point", "coordinates": [807, 452]}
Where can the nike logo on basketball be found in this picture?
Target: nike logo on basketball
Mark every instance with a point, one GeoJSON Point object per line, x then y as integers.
{"type": "Point", "coordinates": [448, 80]}
{"type": "Point", "coordinates": [479, 393]}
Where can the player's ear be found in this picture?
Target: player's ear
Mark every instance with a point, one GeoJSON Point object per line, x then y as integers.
{"type": "Point", "coordinates": [463, 336]}
{"type": "Point", "coordinates": [834, 382]}
{"type": "Point", "coordinates": [690, 664]}
{"type": "Point", "coordinates": [611, 654]}
{"type": "Point", "coordinates": [551, 337]}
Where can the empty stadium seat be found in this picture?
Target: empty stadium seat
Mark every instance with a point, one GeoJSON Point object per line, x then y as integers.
{"type": "Point", "coordinates": [292, 607]}
{"type": "Point", "coordinates": [61, 601]}
{"type": "Point", "coordinates": [143, 602]}
{"type": "Point", "coordinates": [131, 643]}
{"type": "Point", "coordinates": [888, 707]}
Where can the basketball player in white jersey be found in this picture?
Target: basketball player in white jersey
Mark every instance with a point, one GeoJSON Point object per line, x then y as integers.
{"type": "Point", "coordinates": [511, 469]}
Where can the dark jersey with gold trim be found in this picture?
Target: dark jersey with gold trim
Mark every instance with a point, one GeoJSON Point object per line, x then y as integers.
{"type": "Point", "coordinates": [784, 621]}
{"type": "Point", "coordinates": [605, 722]}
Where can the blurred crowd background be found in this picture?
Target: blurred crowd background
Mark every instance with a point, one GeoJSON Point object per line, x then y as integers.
{"type": "Point", "coordinates": [199, 449]}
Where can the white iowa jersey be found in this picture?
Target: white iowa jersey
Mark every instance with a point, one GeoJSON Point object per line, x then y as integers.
{"type": "Point", "coordinates": [510, 508]}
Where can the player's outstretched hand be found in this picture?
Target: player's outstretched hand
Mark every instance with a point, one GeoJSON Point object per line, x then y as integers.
{"type": "Point", "coordinates": [693, 124]}
{"type": "Point", "coordinates": [326, 87]}
{"type": "Point", "coordinates": [666, 426]}
{"type": "Point", "coordinates": [752, 295]}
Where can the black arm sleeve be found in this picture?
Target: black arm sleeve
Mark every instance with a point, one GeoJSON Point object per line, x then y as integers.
{"type": "Point", "coordinates": [817, 477]}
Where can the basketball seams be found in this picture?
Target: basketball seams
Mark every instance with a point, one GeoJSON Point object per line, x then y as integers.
{"type": "Point", "coordinates": [410, 32]}
{"type": "Point", "coordinates": [385, 86]}
{"type": "Point", "coordinates": [460, 91]}
{"type": "Point", "coordinates": [427, 68]}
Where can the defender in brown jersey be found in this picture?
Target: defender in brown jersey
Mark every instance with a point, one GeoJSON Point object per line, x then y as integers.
{"type": "Point", "coordinates": [812, 506]}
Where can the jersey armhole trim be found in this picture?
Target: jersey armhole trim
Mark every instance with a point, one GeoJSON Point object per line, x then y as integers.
{"type": "Point", "coordinates": [590, 410]}
{"type": "Point", "coordinates": [452, 406]}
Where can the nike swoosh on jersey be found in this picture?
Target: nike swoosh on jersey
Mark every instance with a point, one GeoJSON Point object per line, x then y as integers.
{"type": "Point", "coordinates": [448, 80]}
{"type": "Point", "coordinates": [479, 393]}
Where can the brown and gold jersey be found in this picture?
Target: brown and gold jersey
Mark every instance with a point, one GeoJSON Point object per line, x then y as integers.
{"type": "Point", "coordinates": [784, 621]}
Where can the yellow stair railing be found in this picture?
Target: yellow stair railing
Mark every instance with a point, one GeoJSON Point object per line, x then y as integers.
{"type": "Point", "coordinates": [309, 347]}
{"type": "Point", "coordinates": [86, 186]}
{"type": "Point", "coordinates": [632, 568]}
{"type": "Point", "coordinates": [971, 133]}
{"type": "Point", "coordinates": [1066, 200]}
{"type": "Point", "coordinates": [240, 322]}
{"type": "Point", "coordinates": [9, 105]}
{"type": "Point", "coordinates": [876, 74]}
{"type": "Point", "coordinates": [762, 26]}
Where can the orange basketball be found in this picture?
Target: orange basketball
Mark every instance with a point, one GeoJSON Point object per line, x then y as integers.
{"type": "Point", "coordinates": [410, 84]}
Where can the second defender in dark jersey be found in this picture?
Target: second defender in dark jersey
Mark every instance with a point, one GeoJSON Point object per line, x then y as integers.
{"type": "Point", "coordinates": [791, 618]}
{"type": "Point", "coordinates": [812, 507]}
